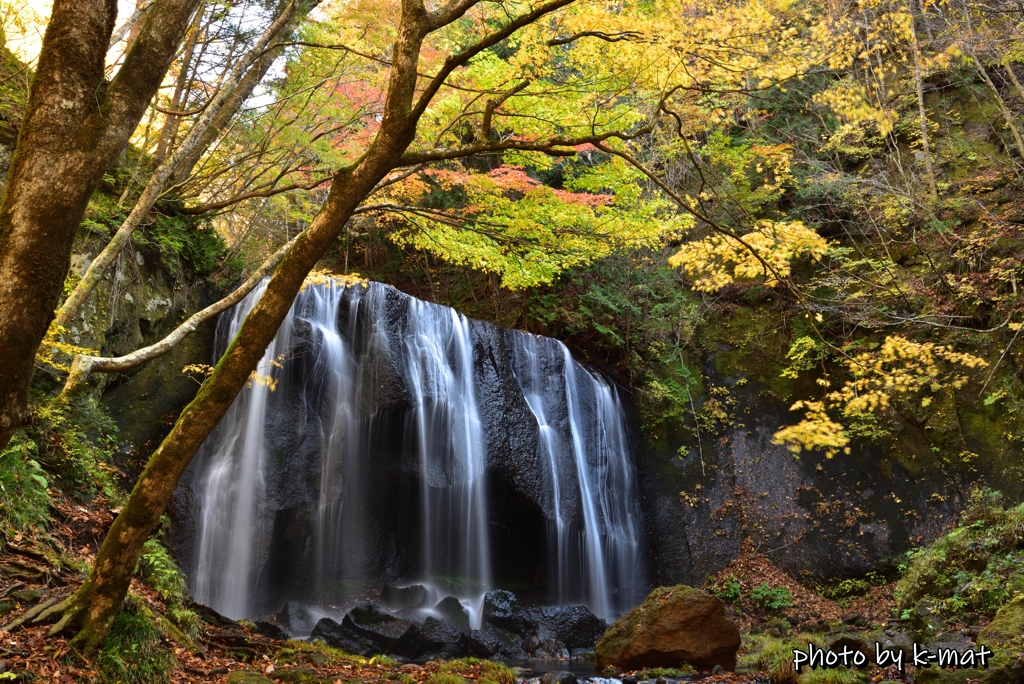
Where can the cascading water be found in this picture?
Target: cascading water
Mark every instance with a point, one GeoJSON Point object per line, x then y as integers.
{"type": "Point", "coordinates": [596, 552]}
{"type": "Point", "coordinates": [359, 452]}
{"type": "Point", "coordinates": [439, 367]}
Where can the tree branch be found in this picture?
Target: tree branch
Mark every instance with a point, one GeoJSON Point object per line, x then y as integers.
{"type": "Point", "coordinates": [608, 37]}
{"type": "Point", "coordinates": [83, 365]}
{"type": "Point", "coordinates": [457, 60]}
{"type": "Point", "coordinates": [216, 206]}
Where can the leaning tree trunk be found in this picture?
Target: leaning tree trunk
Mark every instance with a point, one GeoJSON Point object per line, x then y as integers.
{"type": "Point", "coordinates": [75, 127]}
{"type": "Point", "coordinates": [92, 608]}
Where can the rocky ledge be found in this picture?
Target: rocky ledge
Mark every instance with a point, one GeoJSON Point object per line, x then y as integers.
{"type": "Point", "coordinates": [418, 627]}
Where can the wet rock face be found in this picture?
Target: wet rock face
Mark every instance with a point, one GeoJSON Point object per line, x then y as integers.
{"type": "Point", "coordinates": [342, 637]}
{"type": "Point", "coordinates": [813, 516]}
{"type": "Point", "coordinates": [574, 627]}
{"type": "Point", "coordinates": [452, 612]}
{"type": "Point", "coordinates": [673, 626]}
{"type": "Point", "coordinates": [296, 618]}
{"type": "Point", "coordinates": [381, 532]}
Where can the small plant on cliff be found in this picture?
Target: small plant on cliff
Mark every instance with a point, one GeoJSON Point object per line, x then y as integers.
{"type": "Point", "coordinates": [768, 597]}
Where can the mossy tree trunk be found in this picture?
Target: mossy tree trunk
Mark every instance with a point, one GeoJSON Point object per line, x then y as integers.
{"type": "Point", "coordinates": [90, 611]}
{"type": "Point", "coordinates": [75, 127]}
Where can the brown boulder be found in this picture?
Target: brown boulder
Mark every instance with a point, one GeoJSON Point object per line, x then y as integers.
{"type": "Point", "coordinates": [674, 625]}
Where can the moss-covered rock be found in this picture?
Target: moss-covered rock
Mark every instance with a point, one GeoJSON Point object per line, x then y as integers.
{"type": "Point", "coordinates": [1006, 631]}
{"type": "Point", "coordinates": [672, 627]}
{"type": "Point", "coordinates": [248, 678]}
{"type": "Point", "coordinates": [300, 675]}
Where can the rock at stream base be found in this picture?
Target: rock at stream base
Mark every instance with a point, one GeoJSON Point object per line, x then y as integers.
{"type": "Point", "coordinates": [451, 611]}
{"type": "Point", "coordinates": [405, 598]}
{"type": "Point", "coordinates": [342, 637]}
{"type": "Point", "coordinates": [438, 638]}
{"type": "Point", "coordinates": [295, 618]}
{"type": "Point", "coordinates": [673, 626]}
{"type": "Point", "coordinates": [389, 634]}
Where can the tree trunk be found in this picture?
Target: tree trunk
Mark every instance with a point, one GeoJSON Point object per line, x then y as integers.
{"type": "Point", "coordinates": [91, 609]}
{"type": "Point", "coordinates": [1008, 117]}
{"type": "Point", "coordinates": [919, 85]}
{"type": "Point", "coordinates": [74, 129]}
{"type": "Point", "coordinates": [171, 120]}
{"type": "Point", "coordinates": [151, 193]}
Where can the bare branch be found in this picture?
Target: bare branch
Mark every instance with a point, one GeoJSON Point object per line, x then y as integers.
{"type": "Point", "coordinates": [83, 365]}
{"type": "Point", "coordinates": [216, 206]}
{"type": "Point", "coordinates": [608, 37]}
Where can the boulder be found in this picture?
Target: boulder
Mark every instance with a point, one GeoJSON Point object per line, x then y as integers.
{"type": "Point", "coordinates": [501, 609]}
{"type": "Point", "coordinates": [388, 633]}
{"type": "Point", "coordinates": [925, 621]}
{"type": "Point", "coordinates": [574, 626]}
{"type": "Point", "coordinates": [270, 630]}
{"type": "Point", "coordinates": [407, 598]}
{"type": "Point", "coordinates": [494, 641]}
{"type": "Point", "coordinates": [439, 639]}
{"type": "Point", "coordinates": [896, 641]}
{"type": "Point", "coordinates": [296, 619]}
{"type": "Point", "coordinates": [451, 611]}
{"type": "Point", "coordinates": [559, 677]}
{"type": "Point", "coordinates": [342, 637]}
{"type": "Point", "coordinates": [673, 626]}
{"type": "Point", "coordinates": [854, 643]}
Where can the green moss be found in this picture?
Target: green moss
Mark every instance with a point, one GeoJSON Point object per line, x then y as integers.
{"type": "Point", "coordinates": [1007, 628]}
{"type": "Point", "coordinates": [489, 670]}
{"type": "Point", "coordinates": [839, 675]}
{"type": "Point", "coordinates": [619, 635]}
{"type": "Point", "coordinates": [665, 672]}
{"type": "Point", "coordinates": [248, 678]}
{"type": "Point", "coordinates": [774, 655]}
{"type": "Point", "coordinates": [446, 679]}
{"type": "Point", "coordinates": [300, 675]}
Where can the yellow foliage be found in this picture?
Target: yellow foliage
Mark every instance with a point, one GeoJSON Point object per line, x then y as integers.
{"type": "Point", "coordinates": [58, 354]}
{"type": "Point", "coordinates": [899, 367]}
{"type": "Point", "coordinates": [815, 431]}
{"type": "Point", "coordinates": [326, 278]}
{"type": "Point", "coordinates": [719, 260]}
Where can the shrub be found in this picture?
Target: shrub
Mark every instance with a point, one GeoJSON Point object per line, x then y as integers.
{"type": "Point", "coordinates": [24, 501]}
{"type": "Point", "coordinates": [976, 567]}
{"type": "Point", "coordinates": [768, 597]}
{"type": "Point", "coordinates": [135, 652]}
{"type": "Point", "coordinates": [728, 590]}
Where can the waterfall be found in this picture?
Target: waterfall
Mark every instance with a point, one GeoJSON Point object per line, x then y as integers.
{"type": "Point", "coordinates": [596, 553]}
{"type": "Point", "coordinates": [359, 453]}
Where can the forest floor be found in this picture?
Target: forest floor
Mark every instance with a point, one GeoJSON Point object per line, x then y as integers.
{"type": "Point", "coordinates": [41, 569]}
